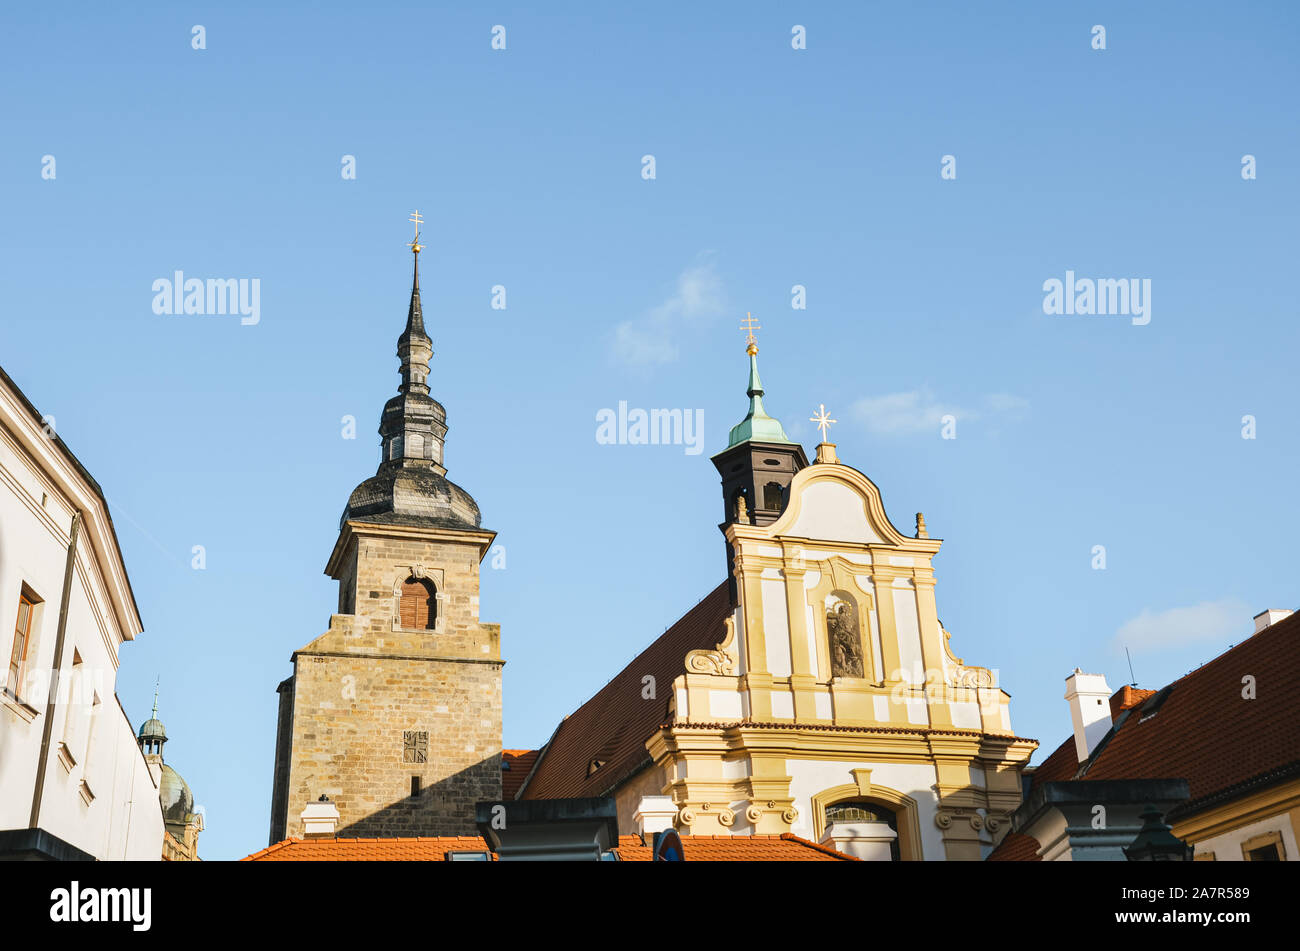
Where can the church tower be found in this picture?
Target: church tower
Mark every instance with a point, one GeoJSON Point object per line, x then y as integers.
{"type": "Point", "coordinates": [181, 821]}
{"type": "Point", "coordinates": [394, 713]}
{"type": "Point", "coordinates": [831, 704]}
{"type": "Point", "coordinates": [760, 459]}
{"type": "Point", "coordinates": [758, 464]}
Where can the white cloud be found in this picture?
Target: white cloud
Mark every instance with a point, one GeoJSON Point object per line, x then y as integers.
{"type": "Point", "coordinates": [638, 345]}
{"type": "Point", "coordinates": [918, 411]}
{"type": "Point", "coordinates": [1210, 620]}
{"type": "Point", "coordinates": [698, 295]}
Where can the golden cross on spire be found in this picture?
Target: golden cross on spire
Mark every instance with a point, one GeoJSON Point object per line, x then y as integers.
{"type": "Point", "coordinates": [822, 420]}
{"type": "Point", "coordinates": [749, 325]}
{"type": "Point", "coordinates": [415, 245]}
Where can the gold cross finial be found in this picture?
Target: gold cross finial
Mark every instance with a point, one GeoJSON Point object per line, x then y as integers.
{"type": "Point", "coordinates": [749, 325]}
{"type": "Point", "coordinates": [415, 245]}
{"type": "Point", "coordinates": [822, 420]}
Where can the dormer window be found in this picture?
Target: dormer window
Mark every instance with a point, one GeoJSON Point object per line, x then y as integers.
{"type": "Point", "coordinates": [418, 607]}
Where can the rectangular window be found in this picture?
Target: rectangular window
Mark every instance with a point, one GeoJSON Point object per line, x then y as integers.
{"type": "Point", "coordinates": [1267, 847]}
{"type": "Point", "coordinates": [415, 787]}
{"type": "Point", "coordinates": [22, 641]}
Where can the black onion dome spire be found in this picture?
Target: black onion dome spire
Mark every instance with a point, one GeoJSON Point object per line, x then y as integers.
{"type": "Point", "coordinates": [410, 487]}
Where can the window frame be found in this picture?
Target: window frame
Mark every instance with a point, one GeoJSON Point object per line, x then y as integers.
{"type": "Point", "coordinates": [17, 670]}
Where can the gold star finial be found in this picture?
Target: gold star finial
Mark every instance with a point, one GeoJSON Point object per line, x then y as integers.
{"type": "Point", "coordinates": [822, 420]}
{"type": "Point", "coordinates": [749, 325]}
{"type": "Point", "coordinates": [415, 245]}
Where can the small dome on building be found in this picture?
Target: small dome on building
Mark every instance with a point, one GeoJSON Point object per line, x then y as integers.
{"type": "Point", "coordinates": [152, 729]}
{"type": "Point", "coordinates": [175, 796]}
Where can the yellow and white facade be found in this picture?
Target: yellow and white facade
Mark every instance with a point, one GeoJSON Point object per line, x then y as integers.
{"type": "Point", "coordinates": [799, 711]}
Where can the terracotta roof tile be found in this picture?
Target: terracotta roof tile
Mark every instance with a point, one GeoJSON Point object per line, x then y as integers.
{"type": "Point", "coordinates": [515, 767]}
{"type": "Point", "coordinates": [1016, 847]}
{"type": "Point", "coordinates": [614, 725]}
{"type": "Point", "coordinates": [323, 849]}
{"type": "Point", "coordinates": [698, 848]}
{"type": "Point", "coordinates": [737, 848]}
{"type": "Point", "coordinates": [1205, 730]}
{"type": "Point", "coordinates": [1126, 697]}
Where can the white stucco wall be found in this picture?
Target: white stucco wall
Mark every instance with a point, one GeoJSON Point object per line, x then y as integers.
{"type": "Point", "coordinates": [39, 491]}
{"type": "Point", "coordinates": [833, 512]}
{"type": "Point", "coordinates": [1227, 847]}
{"type": "Point", "coordinates": [810, 777]}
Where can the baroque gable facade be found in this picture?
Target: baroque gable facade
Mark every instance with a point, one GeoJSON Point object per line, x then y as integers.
{"type": "Point", "coordinates": [818, 694]}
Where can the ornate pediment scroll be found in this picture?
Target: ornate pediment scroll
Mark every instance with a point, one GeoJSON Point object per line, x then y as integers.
{"type": "Point", "coordinates": [719, 660]}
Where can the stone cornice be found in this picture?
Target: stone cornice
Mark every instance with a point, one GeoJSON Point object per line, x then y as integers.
{"type": "Point", "coordinates": [482, 538]}
{"type": "Point", "coordinates": [818, 741]}
{"type": "Point", "coordinates": [377, 654]}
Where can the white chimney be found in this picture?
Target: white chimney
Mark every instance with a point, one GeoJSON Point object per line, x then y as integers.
{"type": "Point", "coordinates": [320, 818]}
{"type": "Point", "coordinates": [1268, 618]}
{"type": "Point", "coordinates": [1089, 699]}
{"type": "Point", "coordinates": [654, 814]}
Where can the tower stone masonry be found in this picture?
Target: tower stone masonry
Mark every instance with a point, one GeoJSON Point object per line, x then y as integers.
{"type": "Point", "coordinates": [394, 713]}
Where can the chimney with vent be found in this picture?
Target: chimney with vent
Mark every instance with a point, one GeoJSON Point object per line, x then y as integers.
{"type": "Point", "coordinates": [320, 818]}
{"type": "Point", "coordinates": [1270, 617]}
{"type": "Point", "coordinates": [654, 814]}
{"type": "Point", "coordinates": [1089, 699]}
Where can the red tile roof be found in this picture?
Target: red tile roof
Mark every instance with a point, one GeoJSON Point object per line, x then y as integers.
{"type": "Point", "coordinates": [1016, 848]}
{"type": "Point", "coordinates": [1126, 697]}
{"type": "Point", "coordinates": [613, 726]}
{"type": "Point", "coordinates": [1204, 730]}
{"type": "Point", "coordinates": [421, 849]}
{"type": "Point", "coordinates": [697, 848]}
{"type": "Point", "coordinates": [737, 848]}
{"type": "Point", "coordinates": [515, 767]}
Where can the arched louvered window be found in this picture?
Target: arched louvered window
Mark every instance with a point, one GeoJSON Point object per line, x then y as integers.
{"type": "Point", "coordinates": [418, 608]}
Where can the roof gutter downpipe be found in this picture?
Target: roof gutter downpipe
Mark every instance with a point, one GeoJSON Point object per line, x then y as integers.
{"type": "Point", "coordinates": [52, 701]}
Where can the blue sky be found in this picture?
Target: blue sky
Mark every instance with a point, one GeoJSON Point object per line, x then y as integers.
{"type": "Point", "coordinates": [774, 167]}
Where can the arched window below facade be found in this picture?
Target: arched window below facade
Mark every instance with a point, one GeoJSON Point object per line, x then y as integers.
{"type": "Point", "coordinates": [872, 824]}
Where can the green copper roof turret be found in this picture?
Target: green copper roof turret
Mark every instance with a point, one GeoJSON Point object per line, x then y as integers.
{"type": "Point", "coordinates": [757, 426]}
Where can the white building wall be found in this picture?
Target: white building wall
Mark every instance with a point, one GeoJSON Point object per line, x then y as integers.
{"type": "Point", "coordinates": [1227, 847]}
{"type": "Point", "coordinates": [810, 777]}
{"type": "Point", "coordinates": [39, 491]}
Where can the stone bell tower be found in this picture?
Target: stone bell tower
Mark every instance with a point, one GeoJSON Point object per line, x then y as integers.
{"type": "Point", "coordinates": [394, 713]}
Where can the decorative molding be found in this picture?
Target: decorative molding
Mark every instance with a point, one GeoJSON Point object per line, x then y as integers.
{"type": "Point", "coordinates": [944, 818]}
{"type": "Point", "coordinates": [902, 805]}
{"type": "Point", "coordinates": [420, 573]}
{"type": "Point", "coordinates": [971, 677]}
{"type": "Point", "coordinates": [720, 661]}
{"type": "Point", "coordinates": [1263, 840]}
{"type": "Point", "coordinates": [863, 779]}
{"type": "Point", "coordinates": [24, 711]}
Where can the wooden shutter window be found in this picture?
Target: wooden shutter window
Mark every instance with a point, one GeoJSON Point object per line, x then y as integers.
{"type": "Point", "coordinates": [418, 608]}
